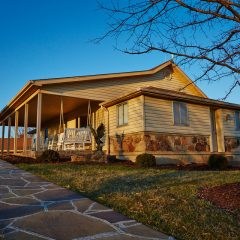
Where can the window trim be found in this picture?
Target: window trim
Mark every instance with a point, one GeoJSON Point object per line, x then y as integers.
{"type": "Point", "coordinates": [117, 110]}
{"type": "Point", "coordinates": [180, 124]}
{"type": "Point", "coordinates": [237, 126]}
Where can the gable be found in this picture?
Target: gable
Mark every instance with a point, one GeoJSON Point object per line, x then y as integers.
{"type": "Point", "coordinates": [186, 85]}
{"type": "Point", "coordinates": [105, 89]}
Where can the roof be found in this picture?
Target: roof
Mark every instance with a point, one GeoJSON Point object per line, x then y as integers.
{"type": "Point", "coordinates": [34, 85]}
{"type": "Point", "coordinates": [172, 95]}
{"type": "Point", "coordinates": [151, 71]}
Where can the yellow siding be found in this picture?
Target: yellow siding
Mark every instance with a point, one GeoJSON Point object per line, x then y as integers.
{"type": "Point", "coordinates": [100, 117]}
{"type": "Point", "coordinates": [108, 89]}
{"type": "Point", "coordinates": [159, 118]}
{"type": "Point", "coordinates": [71, 123]}
{"type": "Point", "coordinates": [229, 125]}
{"type": "Point", "coordinates": [135, 118]}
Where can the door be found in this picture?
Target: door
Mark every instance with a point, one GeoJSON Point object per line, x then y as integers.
{"type": "Point", "coordinates": [214, 131]}
{"type": "Point", "coordinates": [83, 121]}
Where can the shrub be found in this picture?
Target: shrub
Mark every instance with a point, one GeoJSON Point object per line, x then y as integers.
{"type": "Point", "coordinates": [146, 160]}
{"type": "Point", "coordinates": [50, 156]}
{"type": "Point", "coordinates": [98, 156]}
{"type": "Point", "coordinates": [217, 162]}
{"type": "Point", "coordinates": [18, 159]}
{"type": "Point", "coordinates": [111, 158]}
{"type": "Point", "coordinates": [98, 134]}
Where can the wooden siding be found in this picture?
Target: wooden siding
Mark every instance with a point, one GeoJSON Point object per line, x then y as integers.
{"type": "Point", "coordinates": [72, 123]}
{"type": "Point", "coordinates": [229, 126]}
{"type": "Point", "coordinates": [159, 118]}
{"type": "Point", "coordinates": [135, 118]}
{"type": "Point", "coordinates": [108, 89]}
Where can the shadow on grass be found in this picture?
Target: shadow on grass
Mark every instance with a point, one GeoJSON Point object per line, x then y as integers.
{"type": "Point", "coordinates": [136, 182]}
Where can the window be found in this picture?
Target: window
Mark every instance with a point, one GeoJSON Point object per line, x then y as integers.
{"type": "Point", "coordinates": [122, 114]}
{"type": "Point", "coordinates": [180, 113]}
{"type": "Point", "coordinates": [237, 120]}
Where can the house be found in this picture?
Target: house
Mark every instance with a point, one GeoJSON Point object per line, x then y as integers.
{"type": "Point", "coordinates": [159, 111]}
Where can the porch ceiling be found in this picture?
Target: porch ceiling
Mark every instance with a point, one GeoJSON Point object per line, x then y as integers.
{"type": "Point", "coordinates": [51, 105]}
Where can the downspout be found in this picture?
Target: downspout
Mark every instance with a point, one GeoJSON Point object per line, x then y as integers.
{"type": "Point", "coordinates": [108, 132]}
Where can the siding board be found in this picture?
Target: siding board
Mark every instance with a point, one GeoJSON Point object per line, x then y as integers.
{"type": "Point", "coordinates": [108, 89]}
{"type": "Point", "coordinates": [135, 118]}
{"type": "Point", "coordinates": [159, 118]}
{"type": "Point", "coordinates": [230, 125]}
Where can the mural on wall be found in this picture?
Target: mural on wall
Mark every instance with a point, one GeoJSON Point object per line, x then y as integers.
{"type": "Point", "coordinates": [232, 144]}
{"type": "Point", "coordinates": [158, 142]}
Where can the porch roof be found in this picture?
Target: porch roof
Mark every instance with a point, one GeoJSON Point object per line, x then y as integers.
{"type": "Point", "coordinates": [51, 106]}
{"type": "Point", "coordinates": [172, 95]}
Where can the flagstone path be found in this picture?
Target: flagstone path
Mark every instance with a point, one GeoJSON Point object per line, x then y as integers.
{"type": "Point", "coordinates": [34, 209]}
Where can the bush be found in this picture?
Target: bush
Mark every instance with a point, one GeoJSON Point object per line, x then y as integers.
{"type": "Point", "coordinates": [111, 158]}
{"type": "Point", "coordinates": [217, 162]}
{"type": "Point", "coordinates": [146, 160]}
{"type": "Point", "coordinates": [98, 156]}
{"type": "Point", "coordinates": [50, 156]}
{"type": "Point", "coordinates": [18, 159]}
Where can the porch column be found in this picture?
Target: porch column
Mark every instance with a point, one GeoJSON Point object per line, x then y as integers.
{"type": "Point", "coordinates": [9, 135]}
{"type": "Point", "coordinates": [219, 129]}
{"type": "Point", "coordinates": [3, 136]}
{"type": "Point", "coordinates": [25, 128]}
{"type": "Point", "coordinates": [39, 116]}
{"type": "Point", "coordinates": [16, 132]}
{"type": "Point", "coordinates": [94, 127]}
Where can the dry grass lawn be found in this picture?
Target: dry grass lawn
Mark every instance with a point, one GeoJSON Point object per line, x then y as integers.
{"type": "Point", "coordinates": [164, 199]}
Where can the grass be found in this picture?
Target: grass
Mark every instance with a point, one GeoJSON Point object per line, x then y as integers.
{"type": "Point", "coordinates": [164, 199]}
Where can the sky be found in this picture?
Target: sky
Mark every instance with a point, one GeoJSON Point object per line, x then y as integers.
{"type": "Point", "coordinates": [53, 38]}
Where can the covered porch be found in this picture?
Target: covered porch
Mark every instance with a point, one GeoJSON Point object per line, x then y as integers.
{"type": "Point", "coordinates": [52, 121]}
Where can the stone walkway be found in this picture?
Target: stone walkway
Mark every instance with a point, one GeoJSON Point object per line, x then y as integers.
{"type": "Point", "coordinates": [33, 209]}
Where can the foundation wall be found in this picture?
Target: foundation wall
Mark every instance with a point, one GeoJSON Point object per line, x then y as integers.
{"type": "Point", "coordinates": [168, 148]}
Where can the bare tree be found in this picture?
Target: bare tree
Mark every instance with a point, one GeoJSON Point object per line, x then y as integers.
{"type": "Point", "coordinates": [206, 32]}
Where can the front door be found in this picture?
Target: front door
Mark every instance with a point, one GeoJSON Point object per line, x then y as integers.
{"type": "Point", "coordinates": [214, 131]}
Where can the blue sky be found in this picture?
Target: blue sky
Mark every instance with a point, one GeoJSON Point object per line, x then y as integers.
{"type": "Point", "coordinates": [51, 38]}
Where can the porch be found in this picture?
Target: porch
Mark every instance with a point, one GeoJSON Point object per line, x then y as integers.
{"type": "Point", "coordinates": [50, 121]}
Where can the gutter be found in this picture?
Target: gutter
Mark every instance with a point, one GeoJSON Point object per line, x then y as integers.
{"type": "Point", "coordinates": [167, 94]}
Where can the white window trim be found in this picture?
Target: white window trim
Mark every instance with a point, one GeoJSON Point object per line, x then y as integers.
{"type": "Point", "coordinates": [173, 119]}
{"type": "Point", "coordinates": [117, 114]}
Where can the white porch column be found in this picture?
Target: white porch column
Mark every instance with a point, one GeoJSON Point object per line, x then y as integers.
{"type": "Point", "coordinates": [39, 116]}
{"type": "Point", "coordinates": [219, 129]}
{"type": "Point", "coordinates": [3, 136]}
{"type": "Point", "coordinates": [94, 127]}
{"type": "Point", "coordinates": [25, 127]}
{"type": "Point", "coordinates": [9, 135]}
{"type": "Point", "coordinates": [16, 132]}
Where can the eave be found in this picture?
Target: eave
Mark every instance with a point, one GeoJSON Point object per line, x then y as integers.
{"type": "Point", "coordinates": [22, 95]}
{"type": "Point", "coordinates": [171, 95]}
{"type": "Point", "coordinates": [101, 76]}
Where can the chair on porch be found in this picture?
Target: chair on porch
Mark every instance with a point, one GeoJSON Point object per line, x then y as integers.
{"type": "Point", "coordinates": [60, 141]}
{"type": "Point", "coordinates": [52, 143]}
{"type": "Point", "coordinates": [56, 142]}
